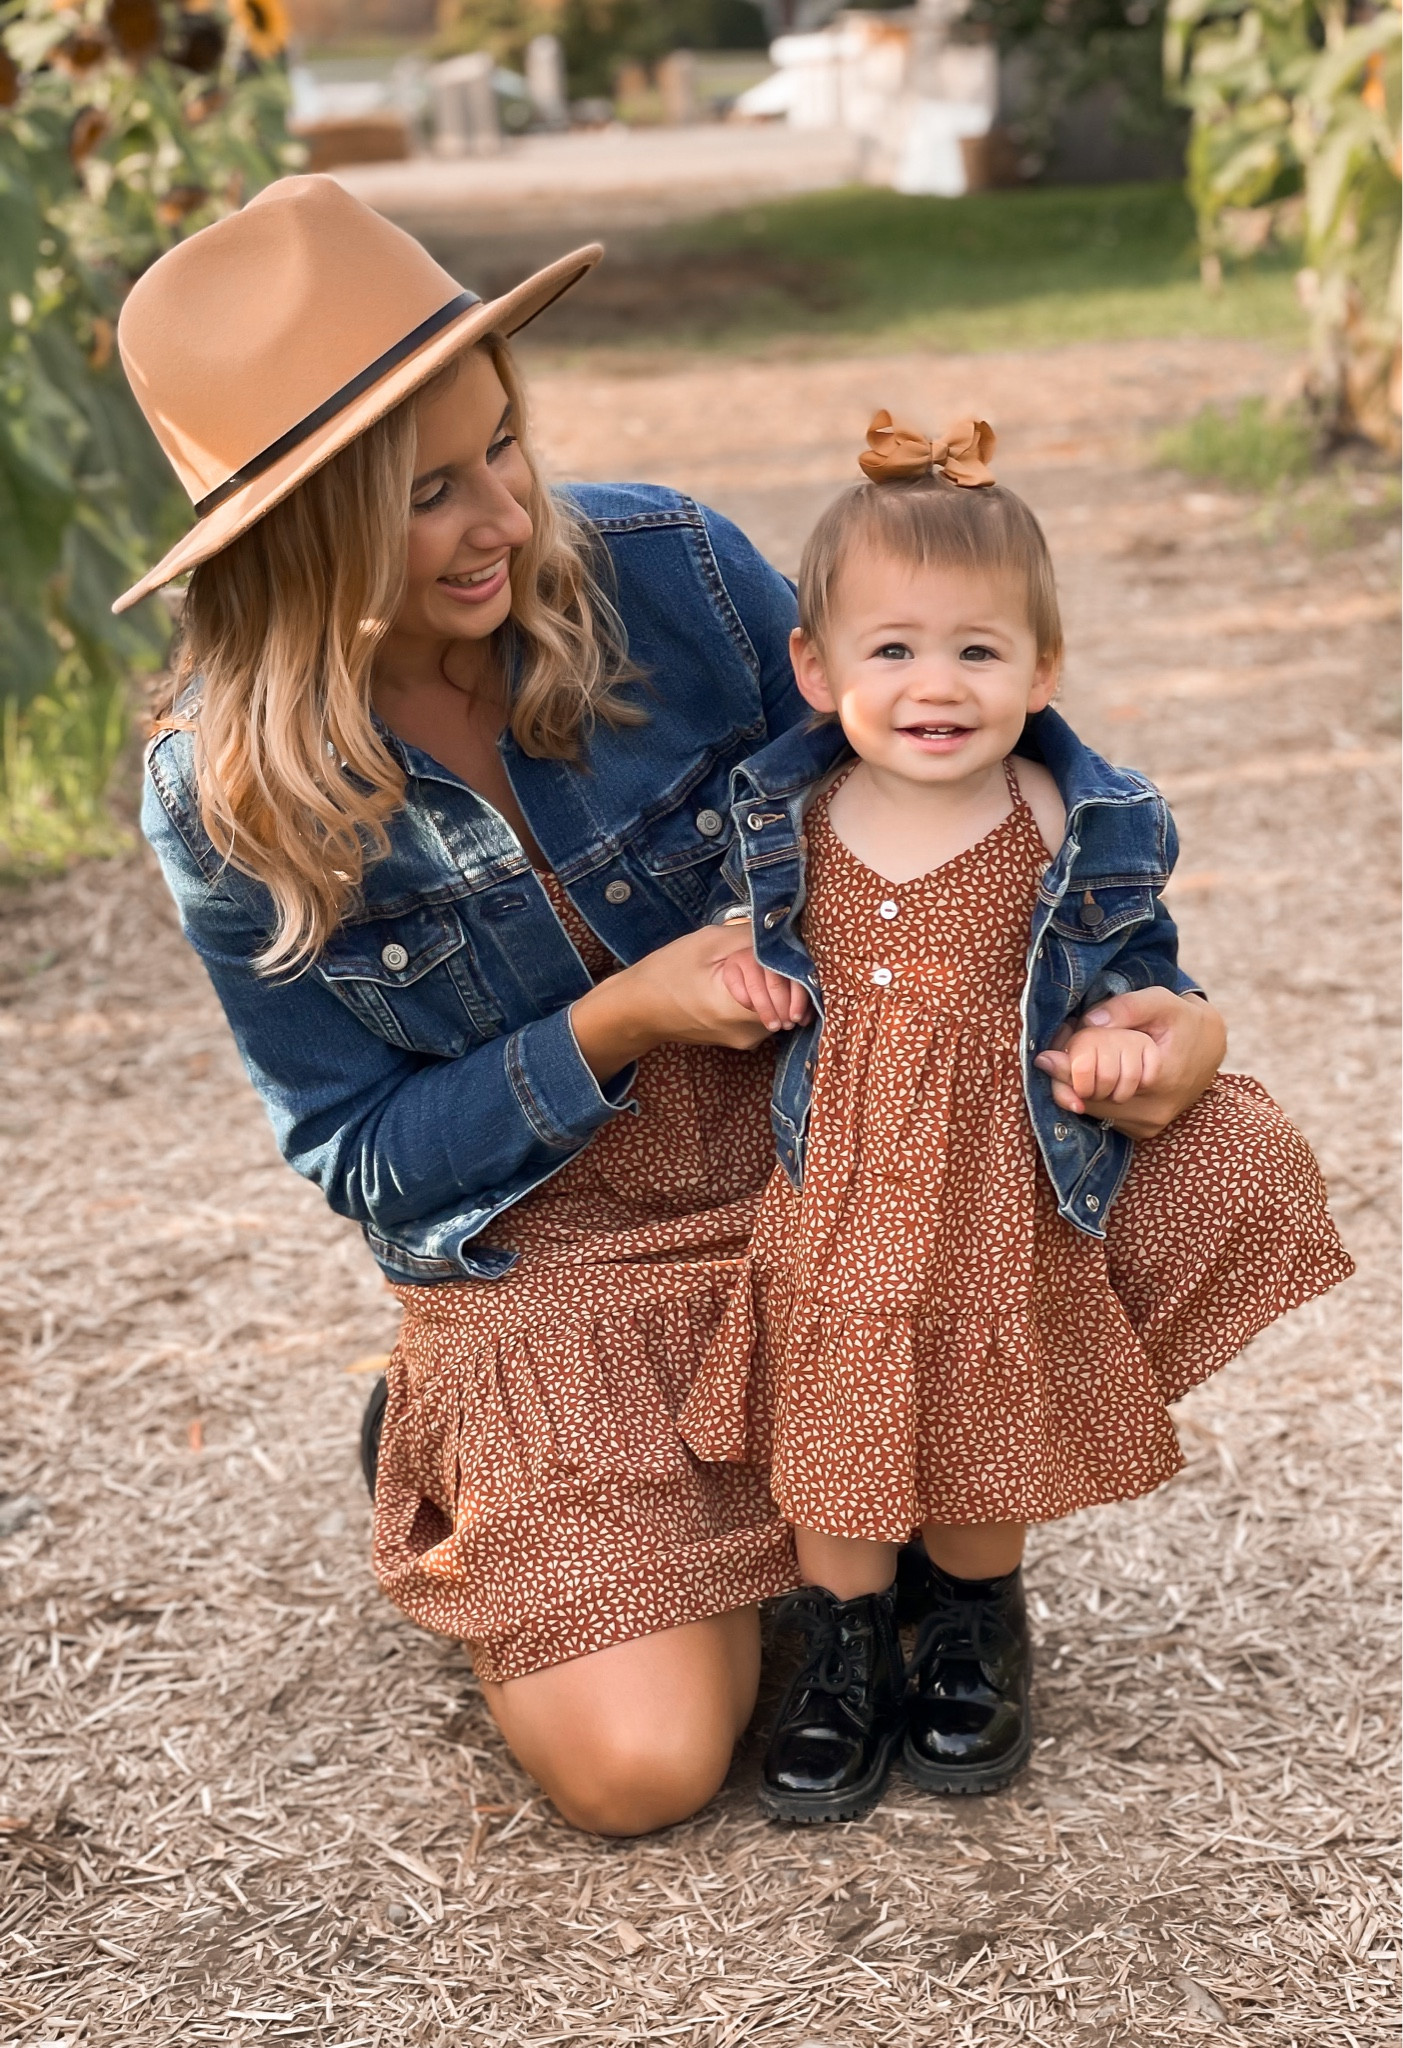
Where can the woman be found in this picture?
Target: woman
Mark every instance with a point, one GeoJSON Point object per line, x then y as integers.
{"type": "Point", "coordinates": [442, 803]}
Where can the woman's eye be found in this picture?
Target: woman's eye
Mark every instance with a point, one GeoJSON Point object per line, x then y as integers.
{"type": "Point", "coordinates": [506, 441]}
{"type": "Point", "coordinates": [978, 654]}
{"type": "Point", "coordinates": [895, 650]}
{"type": "Point", "coordinates": [431, 503]}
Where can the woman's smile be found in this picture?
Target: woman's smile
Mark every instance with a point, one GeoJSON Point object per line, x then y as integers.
{"type": "Point", "coordinates": [476, 586]}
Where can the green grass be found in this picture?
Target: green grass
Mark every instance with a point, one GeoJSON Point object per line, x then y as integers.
{"type": "Point", "coordinates": [1325, 501]}
{"type": "Point", "coordinates": [1251, 448]}
{"type": "Point", "coordinates": [992, 270]}
{"type": "Point", "coordinates": [58, 757]}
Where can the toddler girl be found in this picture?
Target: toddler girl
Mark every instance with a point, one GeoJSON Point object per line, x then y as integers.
{"type": "Point", "coordinates": [934, 1329]}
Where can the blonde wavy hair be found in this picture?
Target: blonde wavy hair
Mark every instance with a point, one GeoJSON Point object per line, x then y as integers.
{"type": "Point", "coordinates": [281, 630]}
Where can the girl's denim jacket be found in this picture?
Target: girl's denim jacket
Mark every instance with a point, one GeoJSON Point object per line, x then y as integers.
{"type": "Point", "coordinates": [423, 1071]}
{"type": "Point", "coordinates": [1099, 930]}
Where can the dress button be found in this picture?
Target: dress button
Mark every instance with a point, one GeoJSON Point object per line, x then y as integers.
{"type": "Point", "coordinates": [394, 956]}
{"type": "Point", "coordinates": [617, 892]}
{"type": "Point", "coordinates": [882, 976]}
{"type": "Point", "coordinates": [887, 909]}
{"type": "Point", "coordinates": [1059, 1131]}
{"type": "Point", "coordinates": [1092, 1203]}
{"type": "Point", "coordinates": [709, 823]}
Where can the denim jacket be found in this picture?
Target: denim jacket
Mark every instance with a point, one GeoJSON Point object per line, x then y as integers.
{"type": "Point", "coordinates": [1099, 930]}
{"type": "Point", "coordinates": [422, 1071]}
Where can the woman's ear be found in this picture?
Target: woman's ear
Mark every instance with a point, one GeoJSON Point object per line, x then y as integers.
{"type": "Point", "coordinates": [809, 672]}
{"type": "Point", "coordinates": [1046, 676]}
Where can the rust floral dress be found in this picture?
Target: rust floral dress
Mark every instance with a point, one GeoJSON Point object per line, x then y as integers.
{"type": "Point", "coordinates": [916, 1334]}
{"type": "Point", "coordinates": [533, 1495]}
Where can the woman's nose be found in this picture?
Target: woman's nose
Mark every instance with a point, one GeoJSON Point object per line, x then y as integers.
{"type": "Point", "coordinates": [498, 519]}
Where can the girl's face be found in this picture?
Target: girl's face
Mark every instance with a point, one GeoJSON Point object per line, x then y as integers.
{"type": "Point", "coordinates": [467, 508]}
{"type": "Point", "coordinates": [931, 671]}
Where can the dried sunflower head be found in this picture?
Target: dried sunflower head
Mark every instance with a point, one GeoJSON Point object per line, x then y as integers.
{"type": "Point", "coordinates": [263, 25]}
{"type": "Point", "coordinates": [180, 200]}
{"type": "Point", "coordinates": [86, 47]}
{"type": "Point", "coordinates": [135, 26]}
{"type": "Point", "coordinates": [197, 43]}
{"type": "Point", "coordinates": [86, 132]}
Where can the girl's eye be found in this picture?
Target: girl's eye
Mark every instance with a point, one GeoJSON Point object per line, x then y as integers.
{"type": "Point", "coordinates": [506, 441]}
{"type": "Point", "coordinates": [978, 654]}
{"type": "Point", "coordinates": [431, 504]}
{"type": "Point", "coordinates": [895, 650]}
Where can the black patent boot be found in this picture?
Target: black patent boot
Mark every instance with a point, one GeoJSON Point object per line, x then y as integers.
{"type": "Point", "coordinates": [842, 1716]}
{"type": "Point", "coordinates": [372, 1424]}
{"type": "Point", "coordinates": [968, 1726]}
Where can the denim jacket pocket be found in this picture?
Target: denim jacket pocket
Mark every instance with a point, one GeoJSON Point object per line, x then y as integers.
{"type": "Point", "coordinates": [683, 845]}
{"type": "Point", "coordinates": [412, 980]}
{"type": "Point", "coordinates": [1091, 915]}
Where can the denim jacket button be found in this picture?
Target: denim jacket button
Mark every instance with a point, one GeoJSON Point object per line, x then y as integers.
{"type": "Point", "coordinates": [709, 823]}
{"type": "Point", "coordinates": [776, 916]}
{"type": "Point", "coordinates": [617, 892]}
{"type": "Point", "coordinates": [757, 821]}
{"type": "Point", "coordinates": [1092, 914]}
{"type": "Point", "coordinates": [1092, 1203]}
{"type": "Point", "coordinates": [1060, 1131]}
{"type": "Point", "coordinates": [394, 956]}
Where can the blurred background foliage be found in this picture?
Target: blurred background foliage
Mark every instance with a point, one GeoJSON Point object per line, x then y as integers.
{"type": "Point", "coordinates": [597, 36]}
{"type": "Point", "coordinates": [1295, 110]}
{"type": "Point", "coordinates": [124, 124]}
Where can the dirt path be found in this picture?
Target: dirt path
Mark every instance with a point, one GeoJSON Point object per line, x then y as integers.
{"type": "Point", "coordinates": [247, 1803]}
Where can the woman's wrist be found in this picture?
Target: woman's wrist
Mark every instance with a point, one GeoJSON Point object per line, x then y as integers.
{"type": "Point", "coordinates": [612, 1026]}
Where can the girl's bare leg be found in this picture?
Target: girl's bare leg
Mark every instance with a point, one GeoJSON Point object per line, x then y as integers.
{"type": "Point", "coordinates": [980, 1550]}
{"type": "Point", "coordinates": [846, 1565]}
{"type": "Point", "coordinates": [640, 1735]}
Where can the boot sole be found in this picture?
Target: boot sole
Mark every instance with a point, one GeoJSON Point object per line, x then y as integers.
{"type": "Point", "coordinates": [849, 1804]}
{"type": "Point", "coordinates": [976, 1778]}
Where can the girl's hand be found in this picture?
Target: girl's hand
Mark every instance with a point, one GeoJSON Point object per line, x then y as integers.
{"type": "Point", "coordinates": [1108, 1065]}
{"type": "Point", "coordinates": [779, 1003]}
{"type": "Point", "coordinates": [1190, 1036]}
{"type": "Point", "coordinates": [677, 993]}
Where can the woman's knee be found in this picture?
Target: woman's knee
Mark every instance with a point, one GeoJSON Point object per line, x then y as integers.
{"type": "Point", "coordinates": [630, 1781]}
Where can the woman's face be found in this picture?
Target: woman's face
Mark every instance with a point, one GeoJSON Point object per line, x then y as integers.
{"type": "Point", "coordinates": [468, 508]}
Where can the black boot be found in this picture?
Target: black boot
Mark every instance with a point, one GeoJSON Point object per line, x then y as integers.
{"type": "Point", "coordinates": [842, 1717]}
{"type": "Point", "coordinates": [968, 1725]}
{"type": "Point", "coordinates": [371, 1424]}
{"type": "Point", "coordinates": [914, 1589]}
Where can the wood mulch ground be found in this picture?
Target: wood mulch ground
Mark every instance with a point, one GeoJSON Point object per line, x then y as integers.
{"type": "Point", "coordinates": [243, 1801]}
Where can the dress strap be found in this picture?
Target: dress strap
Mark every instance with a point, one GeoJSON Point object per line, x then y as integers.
{"type": "Point", "coordinates": [1015, 788]}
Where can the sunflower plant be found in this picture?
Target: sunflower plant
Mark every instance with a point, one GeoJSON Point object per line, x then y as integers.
{"type": "Point", "coordinates": [1295, 107]}
{"type": "Point", "coordinates": [124, 125]}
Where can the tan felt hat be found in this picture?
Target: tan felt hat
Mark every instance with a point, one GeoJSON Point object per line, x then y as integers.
{"type": "Point", "coordinates": [267, 342]}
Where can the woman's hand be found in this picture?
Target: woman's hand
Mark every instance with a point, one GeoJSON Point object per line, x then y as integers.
{"type": "Point", "coordinates": [1191, 1039]}
{"type": "Point", "coordinates": [677, 993]}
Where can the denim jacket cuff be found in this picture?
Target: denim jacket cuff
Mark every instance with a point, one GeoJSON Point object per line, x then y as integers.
{"type": "Point", "coordinates": [559, 1096]}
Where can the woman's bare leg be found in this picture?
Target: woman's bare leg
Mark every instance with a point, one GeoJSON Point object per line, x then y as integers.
{"type": "Point", "coordinates": [640, 1735]}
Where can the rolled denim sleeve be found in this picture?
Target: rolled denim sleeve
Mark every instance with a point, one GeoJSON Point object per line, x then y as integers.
{"type": "Point", "coordinates": [392, 1138]}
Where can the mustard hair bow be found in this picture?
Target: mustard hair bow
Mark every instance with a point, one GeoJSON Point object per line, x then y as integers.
{"type": "Point", "coordinates": [896, 454]}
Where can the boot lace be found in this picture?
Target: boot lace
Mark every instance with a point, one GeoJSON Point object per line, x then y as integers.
{"type": "Point", "coordinates": [827, 1666]}
{"type": "Point", "coordinates": [972, 1629]}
